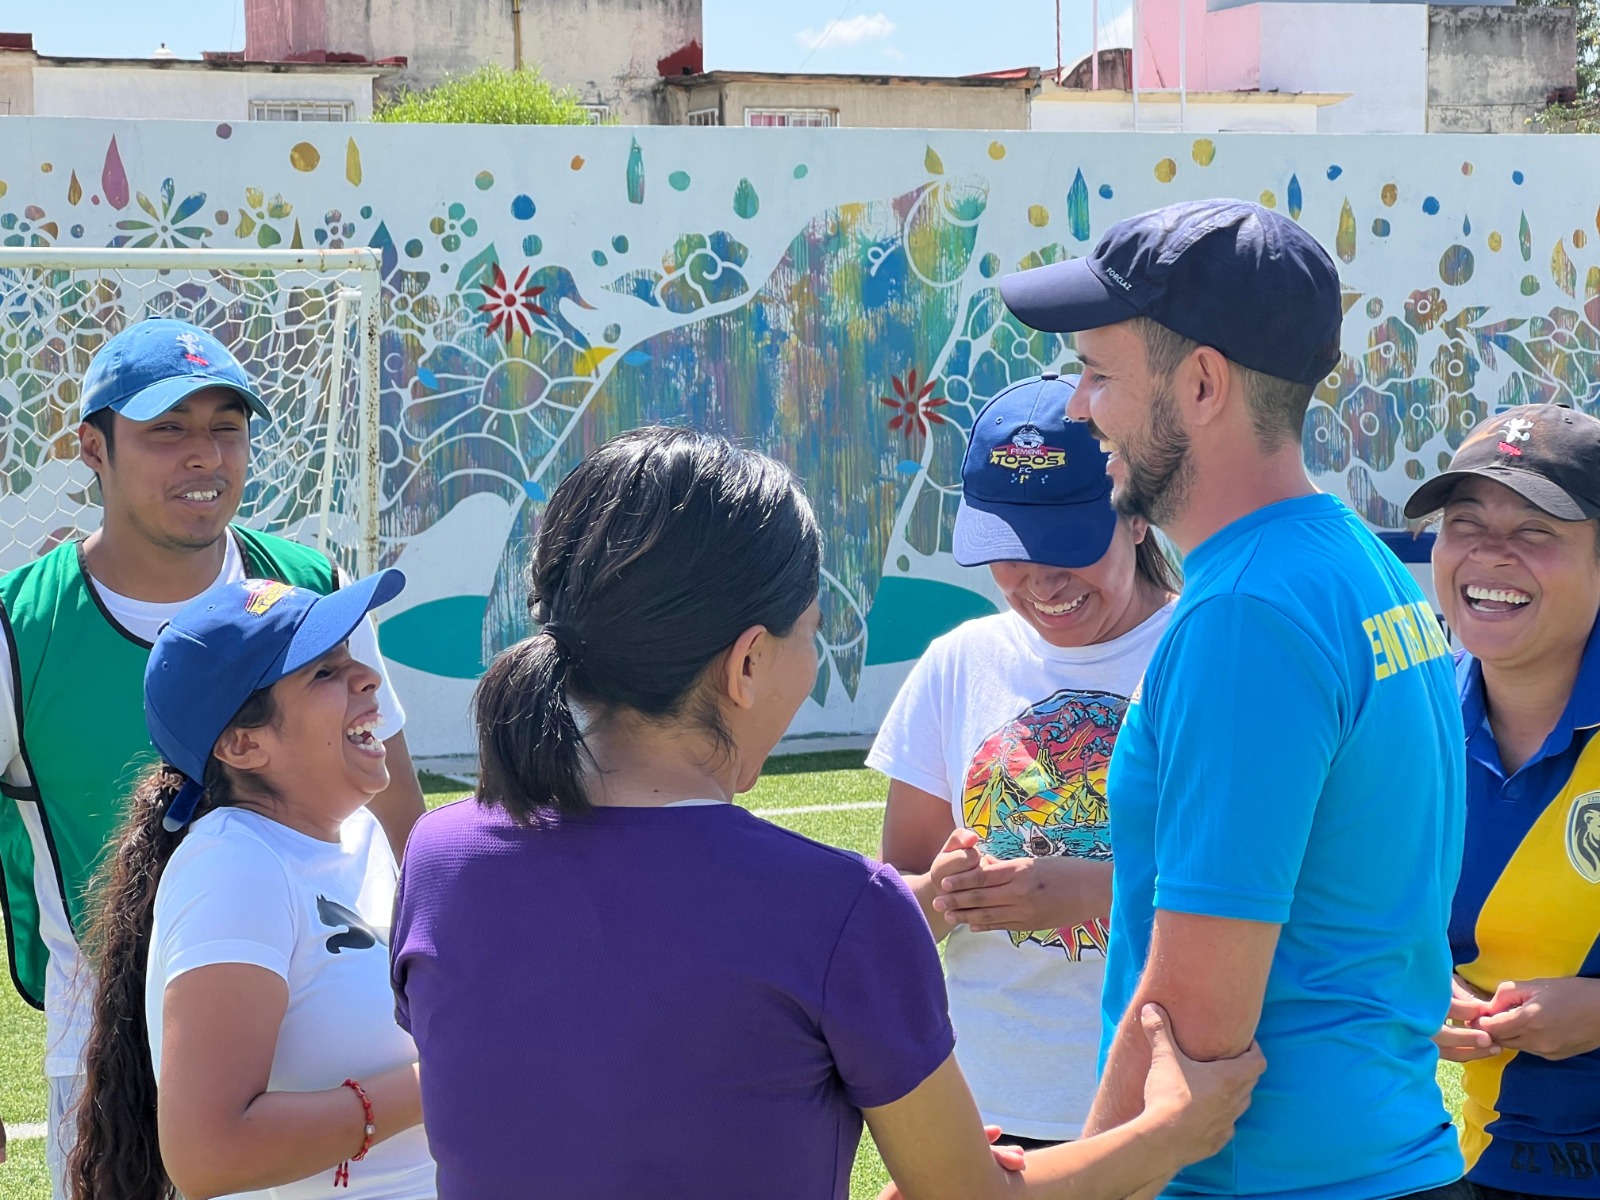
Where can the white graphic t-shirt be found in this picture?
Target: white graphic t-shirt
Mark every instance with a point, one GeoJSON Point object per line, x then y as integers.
{"type": "Point", "coordinates": [68, 986]}
{"type": "Point", "coordinates": [241, 888]}
{"type": "Point", "coordinates": [1017, 734]}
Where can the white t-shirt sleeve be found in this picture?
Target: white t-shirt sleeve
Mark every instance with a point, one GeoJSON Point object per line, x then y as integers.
{"type": "Point", "coordinates": [911, 742]}
{"type": "Point", "coordinates": [364, 648]}
{"type": "Point", "coordinates": [10, 742]}
{"type": "Point", "coordinates": [228, 901]}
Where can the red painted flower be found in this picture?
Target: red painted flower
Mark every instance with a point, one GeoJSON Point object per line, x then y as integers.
{"type": "Point", "coordinates": [511, 305]}
{"type": "Point", "coordinates": [914, 410]}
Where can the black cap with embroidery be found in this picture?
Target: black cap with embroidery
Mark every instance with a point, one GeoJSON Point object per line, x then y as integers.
{"type": "Point", "coordinates": [1548, 454]}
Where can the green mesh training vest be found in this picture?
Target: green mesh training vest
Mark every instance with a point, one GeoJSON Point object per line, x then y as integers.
{"type": "Point", "coordinates": [80, 714]}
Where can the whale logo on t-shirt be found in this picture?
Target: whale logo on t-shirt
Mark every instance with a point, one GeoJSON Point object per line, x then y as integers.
{"type": "Point", "coordinates": [357, 936]}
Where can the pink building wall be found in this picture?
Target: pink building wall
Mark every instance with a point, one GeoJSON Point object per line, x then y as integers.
{"type": "Point", "coordinates": [1222, 49]}
{"type": "Point", "coordinates": [285, 30]}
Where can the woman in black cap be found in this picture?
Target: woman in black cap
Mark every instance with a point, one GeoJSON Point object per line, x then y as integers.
{"type": "Point", "coordinates": [1517, 569]}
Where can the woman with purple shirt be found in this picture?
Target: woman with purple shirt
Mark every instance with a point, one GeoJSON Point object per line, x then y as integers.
{"type": "Point", "coordinates": [603, 948]}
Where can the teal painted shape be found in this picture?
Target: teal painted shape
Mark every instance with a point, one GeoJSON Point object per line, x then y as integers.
{"type": "Point", "coordinates": [745, 201]}
{"type": "Point", "coordinates": [907, 614]}
{"type": "Point", "coordinates": [1078, 208]}
{"type": "Point", "coordinates": [439, 637]}
{"type": "Point", "coordinates": [635, 174]}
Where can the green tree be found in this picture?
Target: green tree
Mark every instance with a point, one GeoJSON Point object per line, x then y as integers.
{"type": "Point", "coordinates": [491, 95]}
{"type": "Point", "coordinates": [1583, 115]}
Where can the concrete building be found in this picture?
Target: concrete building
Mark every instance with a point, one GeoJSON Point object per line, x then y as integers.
{"type": "Point", "coordinates": [219, 87]}
{"type": "Point", "coordinates": [613, 53]}
{"type": "Point", "coordinates": [1405, 66]}
{"type": "Point", "coordinates": [851, 101]}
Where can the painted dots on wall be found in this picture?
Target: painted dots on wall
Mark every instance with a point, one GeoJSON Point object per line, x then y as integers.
{"type": "Point", "coordinates": [1456, 265]}
{"type": "Point", "coordinates": [484, 181]}
{"type": "Point", "coordinates": [414, 248]}
{"type": "Point", "coordinates": [678, 181]}
{"type": "Point", "coordinates": [1580, 239]}
{"type": "Point", "coordinates": [1166, 170]}
{"type": "Point", "coordinates": [1517, 178]}
{"type": "Point", "coordinates": [1530, 285]}
{"type": "Point", "coordinates": [997, 151]}
{"type": "Point", "coordinates": [989, 265]}
{"type": "Point", "coordinates": [1038, 216]}
{"type": "Point", "coordinates": [224, 131]}
{"type": "Point", "coordinates": [1106, 193]}
{"type": "Point", "coordinates": [746, 203]}
{"type": "Point", "coordinates": [1335, 171]}
{"type": "Point", "coordinates": [1466, 169]}
{"type": "Point", "coordinates": [532, 245]}
{"type": "Point", "coordinates": [1389, 195]}
{"type": "Point", "coordinates": [612, 332]}
{"type": "Point", "coordinates": [1204, 152]}
{"type": "Point", "coordinates": [1495, 240]}
{"type": "Point", "coordinates": [577, 162]}
{"type": "Point", "coordinates": [1269, 200]}
{"type": "Point", "coordinates": [801, 171]}
{"type": "Point", "coordinates": [303, 156]}
{"type": "Point", "coordinates": [1375, 308]}
{"type": "Point", "coordinates": [598, 257]}
{"type": "Point", "coordinates": [619, 244]}
{"type": "Point", "coordinates": [1380, 227]}
{"type": "Point", "coordinates": [1430, 205]}
{"type": "Point", "coordinates": [523, 208]}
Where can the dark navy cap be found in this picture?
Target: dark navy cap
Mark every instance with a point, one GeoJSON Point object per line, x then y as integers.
{"type": "Point", "coordinates": [231, 641]}
{"type": "Point", "coordinates": [1548, 454]}
{"type": "Point", "coordinates": [1225, 273]}
{"type": "Point", "coordinates": [1034, 486]}
{"type": "Point", "coordinates": [152, 366]}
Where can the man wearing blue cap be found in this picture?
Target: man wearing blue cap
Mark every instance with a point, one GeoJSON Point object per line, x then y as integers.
{"type": "Point", "coordinates": [1286, 794]}
{"type": "Point", "coordinates": [166, 413]}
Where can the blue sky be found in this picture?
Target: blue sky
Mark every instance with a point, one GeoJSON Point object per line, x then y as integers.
{"type": "Point", "coordinates": [920, 37]}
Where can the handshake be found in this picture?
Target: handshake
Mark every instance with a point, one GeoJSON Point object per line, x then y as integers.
{"type": "Point", "coordinates": [967, 886]}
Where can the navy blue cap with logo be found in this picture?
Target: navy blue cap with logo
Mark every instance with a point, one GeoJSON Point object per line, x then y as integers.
{"type": "Point", "coordinates": [229, 642]}
{"type": "Point", "coordinates": [1034, 486]}
{"type": "Point", "coordinates": [1235, 276]}
{"type": "Point", "coordinates": [154, 365]}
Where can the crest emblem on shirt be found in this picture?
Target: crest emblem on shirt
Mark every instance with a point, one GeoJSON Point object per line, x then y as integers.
{"type": "Point", "coordinates": [263, 594]}
{"type": "Point", "coordinates": [1583, 836]}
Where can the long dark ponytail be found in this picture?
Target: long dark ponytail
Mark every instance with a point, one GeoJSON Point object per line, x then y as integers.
{"type": "Point", "coordinates": [117, 1155]}
{"type": "Point", "coordinates": [654, 555]}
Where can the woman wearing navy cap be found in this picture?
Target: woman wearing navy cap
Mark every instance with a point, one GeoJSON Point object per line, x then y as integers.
{"type": "Point", "coordinates": [1517, 569]}
{"type": "Point", "coordinates": [997, 746]}
{"type": "Point", "coordinates": [244, 1035]}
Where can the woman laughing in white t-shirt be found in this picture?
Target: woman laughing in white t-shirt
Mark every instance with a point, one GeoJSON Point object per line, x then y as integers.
{"type": "Point", "coordinates": [997, 747]}
{"type": "Point", "coordinates": [244, 1035]}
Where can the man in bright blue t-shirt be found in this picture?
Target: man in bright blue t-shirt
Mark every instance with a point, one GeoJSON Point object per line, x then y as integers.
{"type": "Point", "coordinates": [1287, 793]}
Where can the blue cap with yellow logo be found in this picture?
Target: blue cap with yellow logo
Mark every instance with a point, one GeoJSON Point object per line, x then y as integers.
{"type": "Point", "coordinates": [232, 641]}
{"type": "Point", "coordinates": [1034, 486]}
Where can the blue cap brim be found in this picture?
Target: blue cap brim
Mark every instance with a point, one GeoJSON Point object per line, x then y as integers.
{"type": "Point", "coordinates": [332, 619]}
{"type": "Point", "coordinates": [1065, 297]}
{"type": "Point", "coordinates": [1052, 535]}
{"type": "Point", "coordinates": [160, 397]}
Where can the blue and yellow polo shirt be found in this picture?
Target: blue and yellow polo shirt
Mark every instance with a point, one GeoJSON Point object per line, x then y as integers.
{"type": "Point", "coordinates": [1528, 907]}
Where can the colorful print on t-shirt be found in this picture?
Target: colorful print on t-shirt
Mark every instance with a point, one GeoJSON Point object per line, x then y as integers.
{"type": "Point", "coordinates": [1036, 787]}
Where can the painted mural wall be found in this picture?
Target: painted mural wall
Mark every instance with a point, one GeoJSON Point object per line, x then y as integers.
{"type": "Point", "coordinates": [827, 296]}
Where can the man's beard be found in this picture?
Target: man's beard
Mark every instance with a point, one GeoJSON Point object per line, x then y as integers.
{"type": "Point", "coordinates": [1159, 473]}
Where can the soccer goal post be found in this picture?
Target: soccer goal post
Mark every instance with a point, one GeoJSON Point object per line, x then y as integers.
{"type": "Point", "coordinates": [302, 323]}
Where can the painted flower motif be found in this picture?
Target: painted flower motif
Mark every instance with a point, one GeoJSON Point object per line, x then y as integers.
{"type": "Point", "coordinates": [165, 226]}
{"type": "Point", "coordinates": [334, 230]}
{"type": "Point", "coordinates": [260, 210]}
{"type": "Point", "coordinates": [28, 228]}
{"type": "Point", "coordinates": [453, 226]}
{"type": "Point", "coordinates": [511, 305]}
{"type": "Point", "coordinates": [1425, 309]}
{"type": "Point", "coordinates": [915, 413]}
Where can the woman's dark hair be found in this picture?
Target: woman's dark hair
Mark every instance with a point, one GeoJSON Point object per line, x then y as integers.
{"type": "Point", "coordinates": [654, 555]}
{"type": "Point", "coordinates": [118, 1154]}
{"type": "Point", "coordinates": [1153, 565]}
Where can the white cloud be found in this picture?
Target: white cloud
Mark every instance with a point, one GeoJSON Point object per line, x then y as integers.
{"type": "Point", "coordinates": [849, 32]}
{"type": "Point", "coordinates": [1117, 30]}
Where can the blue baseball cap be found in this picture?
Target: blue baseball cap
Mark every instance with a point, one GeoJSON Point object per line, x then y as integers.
{"type": "Point", "coordinates": [1034, 486]}
{"type": "Point", "coordinates": [229, 642]}
{"type": "Point", "coordinates": [153, 365]}
{"type": "Point", "coordinates": [1234, 276]}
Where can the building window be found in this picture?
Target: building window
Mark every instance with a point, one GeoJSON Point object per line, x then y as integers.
{"type": "Point", "coordinates": [705, 116]}
{"type": "Point", "coordinates": [599, 114]}
{"type": "Point", "coordinates": [301, 110]}
{"type": "Point", "coordinates": [792, 118]}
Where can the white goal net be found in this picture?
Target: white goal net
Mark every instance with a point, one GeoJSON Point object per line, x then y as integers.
{"type": "Point", "coordinates": [303, 324]}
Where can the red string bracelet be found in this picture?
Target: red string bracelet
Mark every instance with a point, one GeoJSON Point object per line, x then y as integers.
{"type": "Point", "coordinates": [341, 1175]}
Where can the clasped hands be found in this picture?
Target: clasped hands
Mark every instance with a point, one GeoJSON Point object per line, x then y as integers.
{"type": "Point", "coordinates": [1550, 1018]}
{"type": "Point", "coordinates": [1021, 894]}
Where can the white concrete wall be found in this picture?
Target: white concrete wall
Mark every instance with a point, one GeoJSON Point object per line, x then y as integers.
{"type": "Point", "coordinates": [1053, 112]}
{"type": "Point", "coordinates": [186, 93]}
{"type": "Point", "coordinates": [1376, 52]}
